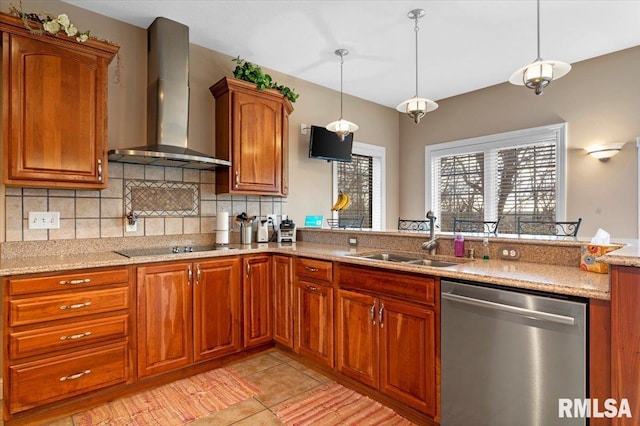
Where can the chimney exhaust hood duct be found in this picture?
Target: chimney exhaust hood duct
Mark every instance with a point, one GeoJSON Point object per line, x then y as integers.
{"type": "Point", "coordinates": [167, 103]}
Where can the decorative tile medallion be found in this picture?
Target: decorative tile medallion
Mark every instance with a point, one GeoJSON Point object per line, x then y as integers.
{"type": "Point", "coordinates": [162, 198]}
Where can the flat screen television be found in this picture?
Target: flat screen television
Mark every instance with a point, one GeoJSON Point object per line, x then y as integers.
{"type": "Point", "coordinates": [326, 145]}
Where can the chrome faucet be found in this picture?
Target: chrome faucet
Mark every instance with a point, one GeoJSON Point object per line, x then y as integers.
{"type": "Point", "coordinates": [432, 244]}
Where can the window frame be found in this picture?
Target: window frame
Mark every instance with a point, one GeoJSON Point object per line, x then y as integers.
{"type": "Point", "coordinates": [378, 202]}
{"type": "Point", "coordinates": [494, 142]}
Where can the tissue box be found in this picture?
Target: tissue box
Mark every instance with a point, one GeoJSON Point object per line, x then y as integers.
{"type": "Point", "coordinates": [589, 254]}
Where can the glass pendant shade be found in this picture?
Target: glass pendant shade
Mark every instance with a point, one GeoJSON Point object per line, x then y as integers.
{"type": "Point", "coordinates": [417, 107]}
{"type": "Point", "coordinates": [341, 127]}
{"type": "Point", "coordinates": [539, 74]}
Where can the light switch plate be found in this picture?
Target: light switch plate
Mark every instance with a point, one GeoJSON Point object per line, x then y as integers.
{"type": "Point", "coordinates": [44, 220]}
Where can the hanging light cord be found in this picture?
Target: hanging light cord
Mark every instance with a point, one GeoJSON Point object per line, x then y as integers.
{"type": "Point", "coordinates": [416, 29]}
{"type": "Point", "coordinates": [341, 64]}
{"type": "Point", "coordinates": [539, 58]}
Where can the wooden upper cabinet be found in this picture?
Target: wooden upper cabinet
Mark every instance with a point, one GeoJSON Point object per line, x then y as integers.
{"type": "Point", "coordinates": [54, 109]}
{"type": "Point", "coordinates": [252, 129]}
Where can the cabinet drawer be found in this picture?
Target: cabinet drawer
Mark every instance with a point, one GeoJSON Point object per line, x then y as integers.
{"type": "Point", "coordinates": [410, 287]}
{"type": "Point", "coordinates": [315, 269]}
{"type": "Point", "coordinates": [48, 339]}
{"type": "Point", "coordinates": [47, 308]}
{"type": "Point", "coordinates": [38, 383]}
{"type": "Point", "coordinates": [78, 279]}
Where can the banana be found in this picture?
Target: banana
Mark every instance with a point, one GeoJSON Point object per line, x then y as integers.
{"type": "Point", "coordinates": [347, 203]}
{"type": "Point", "coordinates": [339, 202]}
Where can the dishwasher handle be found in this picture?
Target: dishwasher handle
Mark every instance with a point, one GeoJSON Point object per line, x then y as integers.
{"type": "Point", "coordinates": [543, 316]}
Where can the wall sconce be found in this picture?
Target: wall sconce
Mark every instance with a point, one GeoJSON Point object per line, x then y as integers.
{"type": "Point", "coordinates": [604, 152]}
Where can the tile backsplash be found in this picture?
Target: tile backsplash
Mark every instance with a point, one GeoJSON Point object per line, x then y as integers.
{"type": "Point", "coordinates": [172, 200]}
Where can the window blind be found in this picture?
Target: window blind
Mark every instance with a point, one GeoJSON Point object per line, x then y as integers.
{"type": "Point", "coordinates": [356, 179]}
{"type": "Point", "coordinates": [504, 176]}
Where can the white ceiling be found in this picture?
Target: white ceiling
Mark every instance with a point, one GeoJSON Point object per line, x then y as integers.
{"type": "Point", "coordinates": [464, 45]}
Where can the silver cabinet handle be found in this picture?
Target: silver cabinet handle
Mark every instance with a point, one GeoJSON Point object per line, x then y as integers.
{"type": "Point", "coordinates": [197, 274]}
{"type": "Point", "coordinates": [190, 276]}
{"type": "Point", "coordinates": [75, 376]}
{"type": "Point", "coordinates": [538, 315]}
{"type": "Point", "coordinates": [381, 315]}
{"type": "Point", "coordinates": [372, 312]}
{"type": "Point", "coordinates": [311, 288]}
{"type": "Point", "coordinates": [75, 306]}
{"type": "Point", "coordinates": [80, 281]}
{"type": "Point", "coordinates": [237, 178]}
{"type": "Point", "coordinates": [310, 269]}
{"type": "Point", "coordinates": [248, 269]}
{"type": "Point", "coordinates": [100, 169]}
{"type": "Point", "coordinates": [76, 336]}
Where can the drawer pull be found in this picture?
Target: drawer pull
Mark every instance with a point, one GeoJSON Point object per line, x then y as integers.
{"type": "Point", "coordinates": [75, 376]}
{"type": "Point", "coordinates": [76, 306]}
{"type": "Point", "coordinates": [310, 269]}
{"type": "Point", "coordinates": [312, 288]}
{"type": "Point", "coordinates": [80, 281]}
{"type": "Point", "coordinates": [76, 336]}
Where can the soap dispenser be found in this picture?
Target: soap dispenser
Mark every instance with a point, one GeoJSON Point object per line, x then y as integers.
{"type": "Point", "coordinates": [458, 246]}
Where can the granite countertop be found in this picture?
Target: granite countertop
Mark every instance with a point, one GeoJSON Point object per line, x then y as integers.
{"type": "Point", "coordinates": [533, 276]}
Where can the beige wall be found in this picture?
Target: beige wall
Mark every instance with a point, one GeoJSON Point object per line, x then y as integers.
{"type": "Point", "coordinates": [600, 101]}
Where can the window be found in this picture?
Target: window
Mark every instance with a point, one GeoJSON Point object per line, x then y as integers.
{"type": "Point", "coordinates": [503, 176]}
{"type": "Point", "coordinates": [363, 180]}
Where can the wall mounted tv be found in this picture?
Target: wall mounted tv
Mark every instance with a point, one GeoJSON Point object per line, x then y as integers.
{"type": "Point", "coordinates": [326, 145]}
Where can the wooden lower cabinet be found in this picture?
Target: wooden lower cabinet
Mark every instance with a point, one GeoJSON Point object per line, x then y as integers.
{"type": "Point", "coordinates": [282, 292]}
{"type": "Point", "coordinates": [217, 309]}
{"type": "Point", "coordinates": [165, 333]}
{"type": "Point", "coordinates": [314, 321]}
{"type": "Point", "coordinates": [187, 312]}
{"type": "Point", "coordinates": [66, 335]}
{"type": "Point", "coordinates": [385, 343]}
{"type": "Point", "coordinates": [256, 288]}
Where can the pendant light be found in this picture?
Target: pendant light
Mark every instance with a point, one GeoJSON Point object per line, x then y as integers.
{"type": "Point", "coordinates": [342, 127]}
{"type": "Point", "coordinates": [539, 74]}
{"type": "Point", "coordinates": [417, 107]}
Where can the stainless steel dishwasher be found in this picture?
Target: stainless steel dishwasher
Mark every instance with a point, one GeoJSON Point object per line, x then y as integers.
{"type": "Point", "coordinates": [508, 356]}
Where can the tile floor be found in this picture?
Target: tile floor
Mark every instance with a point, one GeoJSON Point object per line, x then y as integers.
{"type": "Point", "coordinates": [279, 378]}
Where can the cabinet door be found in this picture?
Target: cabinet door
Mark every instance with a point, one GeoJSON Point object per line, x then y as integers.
{"type": "Point", "coordinates": [57, 106]}
{"type": "Point", "coordinates": [283, 300]}
{"type": "Point", "coordinates": [408, 354]}
{"type": "Point", "coordinates": [217, 308]}
{"type": "Point", "coordinates": [257, 300]}
{"type": "Point", "coordinates": [165, 337]}
{"type": "Point", "coordinates": [314, 321]}
{"type": "Point", "coordinates": [357, 337]}
{"type": "Point", "coordinates": [257, 144]}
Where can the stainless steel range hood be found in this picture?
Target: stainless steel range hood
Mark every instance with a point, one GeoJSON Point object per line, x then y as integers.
{"type": "Point", "coordinates": [167, 103]}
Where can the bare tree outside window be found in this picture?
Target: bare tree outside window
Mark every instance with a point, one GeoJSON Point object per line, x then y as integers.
{"type": "Point", "coordinates": [525, 185]}
{"type": "Point", "coordinates": [461, 188]}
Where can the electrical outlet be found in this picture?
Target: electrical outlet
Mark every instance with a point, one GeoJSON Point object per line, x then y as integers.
{"type": "Point", "coordinates": [274, 220]}
{"type": "Point", "coordinates": [509, 253]}
{"type": "Point", "coordinates": [303, 129]}
{"type": "Point", "coordinates": [353, 241]}
{"type": "Point", "coordinates": [44, 220]}
{"type": "Point", "coordinates": [131, 228]}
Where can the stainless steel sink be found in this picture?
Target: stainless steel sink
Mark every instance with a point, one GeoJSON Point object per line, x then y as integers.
{"type": "Point", "coordinates": [408, 258]}
{"type": "Point", "coordinates": [389, 257]}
